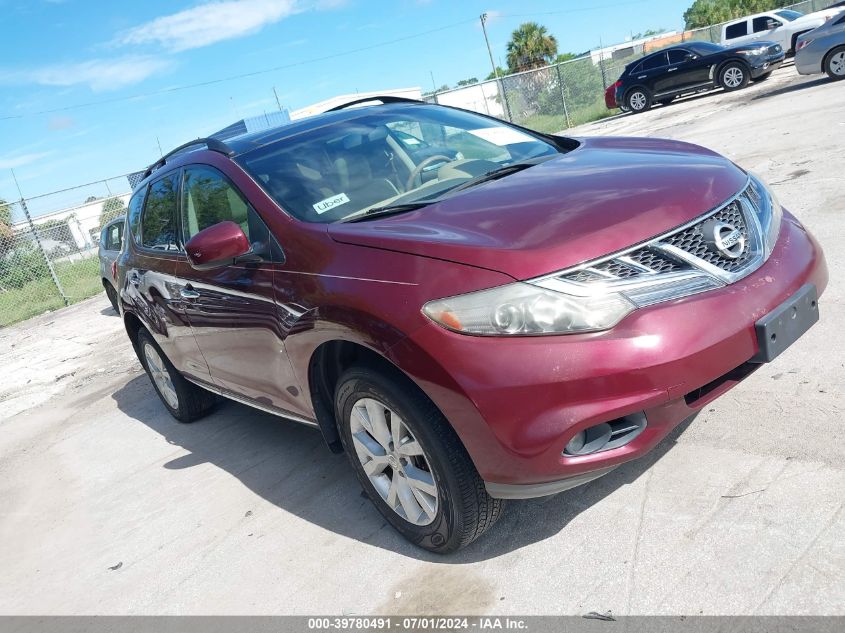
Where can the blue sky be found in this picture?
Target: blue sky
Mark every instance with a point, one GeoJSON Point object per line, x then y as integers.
{"type": "Point", "coordinates": [129, 61]}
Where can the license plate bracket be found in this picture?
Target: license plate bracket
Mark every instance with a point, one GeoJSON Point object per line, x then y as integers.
{"type": "Point", "coordinates": [786, 324]}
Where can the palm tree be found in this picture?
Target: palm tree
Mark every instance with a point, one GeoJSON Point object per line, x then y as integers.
{"type": "Point", "coordinates": [531, 46]}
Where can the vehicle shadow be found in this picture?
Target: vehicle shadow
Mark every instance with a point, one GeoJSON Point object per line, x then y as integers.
{"type": "Point", "coordinates": [288, 465]}
{"type": "Point", "coordinates": [812, 83]}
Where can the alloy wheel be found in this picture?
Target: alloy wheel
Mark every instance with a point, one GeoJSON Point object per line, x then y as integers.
{"type": "Point", "coordinates": [637, 101]}
{"type": "Point", "coordinates": [160, 376]}
{"type": "Point", "coordinates": [394, 461]}
{"type": "Point", "coordinates": [837, 64]}
{"type": "Point", "coordinates": [733, 77]}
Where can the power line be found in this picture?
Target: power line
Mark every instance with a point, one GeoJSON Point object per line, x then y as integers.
{"type": "Point", "coordinates": [200, 84]}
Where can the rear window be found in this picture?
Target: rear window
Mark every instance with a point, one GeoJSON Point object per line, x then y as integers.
{"type": "Point", "coordinates": [736, 30]}
{"type": "Point", "coordinates": [789, 15]}
{"type": "Point", "coordinates": [136, 203]}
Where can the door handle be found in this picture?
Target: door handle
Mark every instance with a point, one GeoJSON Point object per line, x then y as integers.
{"type": "Point", "coordinates": [189, 293]}
{"type": "Point", "coordinates": [671, 70]}
{"type": "Point", "coordinates": [642, 76]}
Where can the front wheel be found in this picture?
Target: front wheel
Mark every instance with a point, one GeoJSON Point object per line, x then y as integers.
{"type": "Point", "coordinates": [835, 64]}
{"type": "Point", "coordinates": [734, 76]}
{"type": "Point", "coordinates": [411, 463]}
{"type": "Point", "coordinates": [638, 100]}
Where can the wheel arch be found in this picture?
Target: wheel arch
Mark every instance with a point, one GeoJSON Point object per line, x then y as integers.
{"type": "Point", "coordinates": [717, 78]}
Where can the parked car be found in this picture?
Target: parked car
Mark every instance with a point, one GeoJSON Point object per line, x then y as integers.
{"type": "Point", "coordinates": [111, 241]}
{"type": "Point", "coordinates": [610, 99]}
{"type": "Point", "coordinates": [693, 67]}
{"type": "Point", "coordinates": [782, 26]}
{"type": "Point", "coordinates": [823, 49]}
{"type": "Point", "coordinates": [513, 328]}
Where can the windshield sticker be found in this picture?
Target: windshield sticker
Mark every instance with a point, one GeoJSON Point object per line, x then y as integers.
{"type": "Point", "coordinates": [330, 203]}
{"type": "Point", "coordinates": [502, 136]}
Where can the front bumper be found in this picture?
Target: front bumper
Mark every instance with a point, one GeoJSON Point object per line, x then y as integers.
{"type": "Point", "coordinates": [516, 402]}
{"type": "Point", "coordinates": [765, 65]}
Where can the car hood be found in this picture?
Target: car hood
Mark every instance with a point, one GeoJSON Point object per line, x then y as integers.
{"type": "Point", "coordinates": [750, 45]}
{"type": "Point", "coordinates": [606, 195]}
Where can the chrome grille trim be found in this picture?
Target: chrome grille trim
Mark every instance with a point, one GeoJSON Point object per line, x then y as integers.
{"type": "Point", "coordinates": [676, 254]}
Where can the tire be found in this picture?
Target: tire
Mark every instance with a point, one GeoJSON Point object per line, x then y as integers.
{"type": "Point", "coordinates": [638, 100]}
{"type": "Point", "coordinates": [448, 506]}
{"type": "Point", "coordinates": [111, 293]}
{"type": "Point", "coordinates": [184, 400]}
{"type": "Point", "coordinates": [734, 76]}
{"type": "Point", "coordinates": [834, 63]}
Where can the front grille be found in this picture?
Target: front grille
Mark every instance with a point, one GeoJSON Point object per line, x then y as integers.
{"type": "Point", "coordinates": [643, 261]}
{"type": "Point", "coordinates": [692, 240]}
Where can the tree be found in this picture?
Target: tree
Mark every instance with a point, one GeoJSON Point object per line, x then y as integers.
{"type": "Point", "coordinates": [492, 75]}
{"type": "Point", "coordinates": [467, 82]}
{"type": "Point", "coordinates": [5, 227]}
{"type": "Point", "coordinates": [648, 33]}
{"type": "Point", "coordinates": [530, 47]}
{"type": "Point", "coordinates": [708, 12]}
{"type": "Point", "coordinates": [112, 208]}
{"type": "Point", "coordinates": [564, 57]}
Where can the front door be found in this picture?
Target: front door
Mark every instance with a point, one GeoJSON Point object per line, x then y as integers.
{"type": "Point", "coordinates": [231, 309]}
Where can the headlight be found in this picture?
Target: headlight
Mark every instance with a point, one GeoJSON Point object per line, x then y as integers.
{"type": "Point", "coordinates": [522, 309]}
{"type": "Point", "coordinates": [760, 50]}
{"type": "Point", "coordinates": [769, 213]}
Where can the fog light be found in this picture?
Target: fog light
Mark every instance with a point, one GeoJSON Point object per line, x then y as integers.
{"type": "Point", "coordinates": [606, 436]}
{"type": "Point", "coordinates": [589, 440]}
{"type": "Point", "coordinates": [575, 444]}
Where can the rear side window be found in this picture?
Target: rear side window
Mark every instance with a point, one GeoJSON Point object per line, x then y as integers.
{"type": "Point", "coordinates": [158, 222]}
{"type": "Point", "coordinates": [764, 23]}
{"type": "Point", "coordinates": [657, 61]}
{"type": "Point", "coordinates": [840, 20]}
{"type": "Point", "coordinates": [736, 30]}
{"type": "Point", "coordinates": [678, 56]}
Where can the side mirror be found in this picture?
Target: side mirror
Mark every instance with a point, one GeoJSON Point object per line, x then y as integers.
{"type": "Point", "coordinates": [217, 246]}
{"type": "Point", "coordinates": [691, 57]}
{"type": "Point", "coordinates": [771, 24]}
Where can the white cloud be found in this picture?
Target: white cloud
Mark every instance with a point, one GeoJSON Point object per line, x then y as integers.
{"type": "Point", "coordinates": [209, 23]}
{"type": "Point", "coordinates": [99, 74]}
{"type": "Point", "coordinates": [10, 162]}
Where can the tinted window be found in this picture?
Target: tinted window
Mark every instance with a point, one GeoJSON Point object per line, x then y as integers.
{"type": "Point", "coordinates": [208, 198]}
{"type": "Point", "coordinates": [789, 15]}
{"type": "Point", "coordinates": [840, 20]}
{"type": "Point", "coordinates": [763, 24]}
{"type": "Point", "coordinates": [158, 223]}
{"type": "Point", "coordinates": [736, 30]}
{"type": "Point", "coordinates": [136, 203]}
{"type": "Point", "coordinates": [656, 61]}
{"type": "Point", "coordinates": [678, 56]}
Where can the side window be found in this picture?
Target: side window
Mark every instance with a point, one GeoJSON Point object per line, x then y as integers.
{"type": "Point", "coordinates": [209, 198]}
{"type": "Point", "coordinates": [736, 30]}
{"type": "Point", "coordinates": [678, 56]}
{"type": "Point", "coordinates": [656, 61]}
{"type": "Point", "coordinates": [104, 238]}
{"type": "Point", "coordinates": [840, 20]}
{"type": "Point", "coordinates": [765, 23]}
{"type": "Point", "coordinates": [158, 222]}
{"type": "Point", "coordinates": [135, 206]}
{"type": "Point", "coordinates": [113, 238]}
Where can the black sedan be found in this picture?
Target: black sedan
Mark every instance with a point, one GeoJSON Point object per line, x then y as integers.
{"type": "Point", "coordinates": [694, 67]}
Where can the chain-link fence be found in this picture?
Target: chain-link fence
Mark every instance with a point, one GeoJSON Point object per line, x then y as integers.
{"type": "Point", "coordinates": [554, 98]}
{"type": "Point", "coordinates": [48, 247]}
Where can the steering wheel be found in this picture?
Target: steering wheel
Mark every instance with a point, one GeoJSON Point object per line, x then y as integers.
{"type": "Point", "coordinates": [423, 164]}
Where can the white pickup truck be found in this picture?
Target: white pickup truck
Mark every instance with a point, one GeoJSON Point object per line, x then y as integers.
{"type": "Point", "coordinates": [782, 26]}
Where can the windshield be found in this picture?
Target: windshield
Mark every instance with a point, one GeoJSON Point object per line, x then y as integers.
{"type": "Point", "coordinates": [789, 14]}
{"type": "Point", "coordinates": [384, 158]}
{"type": "Point", "coordinates": [705, 48]}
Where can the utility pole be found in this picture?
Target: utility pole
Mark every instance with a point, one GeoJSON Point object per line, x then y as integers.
{"type": "Point", "coordinates": [38, 243]}
{"type": "Point", "coordinates": [495, 68]}
{"type": "Point", "coordinates": [278, 103]}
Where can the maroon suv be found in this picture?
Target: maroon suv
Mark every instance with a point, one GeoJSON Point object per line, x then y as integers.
{"type": "Point", "coordinates": [510, 317]}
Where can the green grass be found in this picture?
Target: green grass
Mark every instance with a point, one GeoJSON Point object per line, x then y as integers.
{"type": "Point", "coordinates": [552, 123]}
{"type": "Point", "coordinates": [80, 280]}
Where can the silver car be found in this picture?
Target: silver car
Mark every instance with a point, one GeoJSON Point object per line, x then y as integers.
{"type": "Point", "coordinates": [822, 50]}
{"type": "Point", "coordinates": [111, 241]}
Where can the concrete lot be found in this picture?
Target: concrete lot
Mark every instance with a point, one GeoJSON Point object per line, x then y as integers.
{"type": "Point", "coordinates": [108, 506]}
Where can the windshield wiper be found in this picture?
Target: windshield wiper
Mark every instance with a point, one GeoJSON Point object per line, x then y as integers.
{"type": "Point", "coordinates": [390, 209]}
{"type": "Point", "coordinates": [501, 172]}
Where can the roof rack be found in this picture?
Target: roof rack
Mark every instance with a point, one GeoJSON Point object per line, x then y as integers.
{"type": "Point", "coordinates": [213, 144]}
{"type": "Point", "coordinates": [384, 99]}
